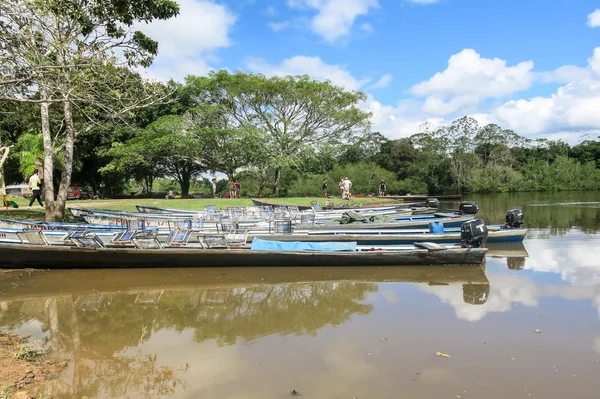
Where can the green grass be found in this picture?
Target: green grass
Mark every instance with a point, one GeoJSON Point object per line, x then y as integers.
{"type": "Point", "coordinates": [37, 213]}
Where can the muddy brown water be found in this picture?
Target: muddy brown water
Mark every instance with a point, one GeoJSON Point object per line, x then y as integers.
{"type": "Point", "coordinates": [335, 332]}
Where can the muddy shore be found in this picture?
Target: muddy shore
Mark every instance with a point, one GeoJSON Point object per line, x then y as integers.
{"type": "Point", "coordinates": [23, 367]}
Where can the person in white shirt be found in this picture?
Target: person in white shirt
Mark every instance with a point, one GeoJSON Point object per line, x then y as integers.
{"type": "Point", "coordinates": [347, 184]}
{"type": "Point", "coordinates": [34, 185]}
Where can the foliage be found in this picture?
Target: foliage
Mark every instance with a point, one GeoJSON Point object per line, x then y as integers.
{"type": "Point", "coordinates": [297, 113]}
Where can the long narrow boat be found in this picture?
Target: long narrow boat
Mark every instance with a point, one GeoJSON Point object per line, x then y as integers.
{"type": "Point", "coordinates": [262, 253]}
{"type": "Point", "coordinates": [260, 202]}
{"type": "Point", "coordinates": [495, 236]}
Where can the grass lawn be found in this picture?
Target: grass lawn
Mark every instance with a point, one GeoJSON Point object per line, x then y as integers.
{"type": "Point", "coordinates": [194, 204]}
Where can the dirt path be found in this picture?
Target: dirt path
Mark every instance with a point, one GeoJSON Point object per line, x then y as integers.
{"type": "Point", "coordinates": [22, 367]}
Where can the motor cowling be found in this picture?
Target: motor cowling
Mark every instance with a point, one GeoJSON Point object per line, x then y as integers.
{"type": "Point", "coordinates": [514, 219]}
{"type": "Point", "coordinates": [473, 234]}
{"type": "Point", "coordinates": [432, 203]}
{"type": "Point", "coordinates": [468, 208]}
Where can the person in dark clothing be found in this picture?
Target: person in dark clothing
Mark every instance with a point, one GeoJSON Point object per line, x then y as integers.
{"type": "Point", "coordinates": [238, 188]}
{"type": "Point", "coordinates": [324, 188]}
{"type": "Point", "coordinates": [34, 185]}
{"type": "Point", "coordinates": [382, 188]}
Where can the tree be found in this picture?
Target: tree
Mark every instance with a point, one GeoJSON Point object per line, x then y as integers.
{"type": "Point", "coordinates": [296, 113]}
{"type": "Point", "coordinates": [222, 147]}
{"type": "Point", "coordinates": [65, 51]}
{"type": "Point", "coordinates": [4, 151]}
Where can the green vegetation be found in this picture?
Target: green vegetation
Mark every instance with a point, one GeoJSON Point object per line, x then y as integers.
{"type": "Point", "coordinates": [84, 116]}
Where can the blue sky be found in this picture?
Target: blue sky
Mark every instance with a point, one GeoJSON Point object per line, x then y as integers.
{"type": "Point", "coordinates": [527, 65]}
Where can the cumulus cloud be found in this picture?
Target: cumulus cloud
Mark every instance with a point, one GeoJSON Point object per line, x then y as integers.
{"type": "Point", "coordinates": [468, 79]}
{"type": "Point", "coordinates": [593, 20]}
{"type": "Point", "coordinates": [188, 42]}
{"type": "Point", "coordinates": [335, 18]}
{"type": "Point", "coordinates": [573, 107]}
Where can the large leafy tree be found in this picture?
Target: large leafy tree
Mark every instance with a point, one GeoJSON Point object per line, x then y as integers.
{"type": "Point", "coordinates": [75, 54]}
{"type": "Point", "coordinates": [297, 113]}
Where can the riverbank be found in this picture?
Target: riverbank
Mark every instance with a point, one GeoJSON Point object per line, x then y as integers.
{"type": "Point", "coordinates": [25, 369]}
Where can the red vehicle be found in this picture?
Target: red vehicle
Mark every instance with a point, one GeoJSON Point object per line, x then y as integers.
{"type": "Point", "coordinates": [76, 192]}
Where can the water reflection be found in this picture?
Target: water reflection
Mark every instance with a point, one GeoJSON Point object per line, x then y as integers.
{"type": "Point", "coordinates": [119, 328]}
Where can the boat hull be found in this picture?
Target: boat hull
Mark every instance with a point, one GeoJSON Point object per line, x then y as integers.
{"type": "Point", "coordinates": [60, 257]}
{"type": "Point", "coordinates": [494, 237]}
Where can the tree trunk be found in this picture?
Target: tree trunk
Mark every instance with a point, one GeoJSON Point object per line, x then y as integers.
{"type": "Point", "coordinates": [277, 181]}
{"type": "Point", "coordinates": [57, 211]}
{"type": "Point", "coordinates": [48, 177]}
{"type": "Point", "coordinates": [3, 157]}
{"type": "Point", "coordinates": [185, 183]}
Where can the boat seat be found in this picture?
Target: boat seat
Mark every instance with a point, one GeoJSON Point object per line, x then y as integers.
{"type": "Point", "coordinates": [430, 246]}
{"type": "Point", "coordinates": [33, 237]}
{"type": "Point", "coordinates": [146, 240]}
{"type": "Point", "coordinates": [123, 238]}
{"type": "Point", "coordinates": [237, 237]}
{"type": "Point", "coordinates": [85, 239]}
{"type": "Point", "coordinates": [307, 218]}
{"type": "Point", "coordinates": [280, 227]}
{"type": "Point", "coordinates": [178, 238]}
{"type": "Point", "coordinates": [211, 241]}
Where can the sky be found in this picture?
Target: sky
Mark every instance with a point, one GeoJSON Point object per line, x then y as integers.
{"type": "Point", "coordinates": [528, 65]}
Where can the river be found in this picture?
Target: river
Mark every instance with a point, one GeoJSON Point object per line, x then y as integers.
{"type": "Point", "coordinates": [335, 332]}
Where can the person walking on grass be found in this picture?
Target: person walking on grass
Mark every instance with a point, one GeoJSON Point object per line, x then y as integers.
{"type": "Point", "coordinates": [34, 185]}
{"type": "Point", "coordinates": [324, 188]}
{"type": "Point", "coordinates": [347, 185]}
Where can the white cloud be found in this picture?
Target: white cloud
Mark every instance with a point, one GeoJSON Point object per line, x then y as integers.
{"type": "Point", "coordinates": [468, 79]}
{"type": "Point", "coordinates": [573, 108]}
{"type": "Point", "coordinates": [187, 42]}
{"type": "Point", "coordinates": [335, 18]}
{"type": "Point", "coordinates": [312, 66]}
{"type": "Point", "coordinates": [383, 82]}
{"type": "Point", "coordinates": [278, 26]}
{"type": "Point", "coordinates": [593, 20]}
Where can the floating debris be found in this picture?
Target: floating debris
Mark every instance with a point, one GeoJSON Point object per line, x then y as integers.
{"type": "Point", "coordinates": [538, 331]}
{"type": "Point", "coordinates": [440, 354]}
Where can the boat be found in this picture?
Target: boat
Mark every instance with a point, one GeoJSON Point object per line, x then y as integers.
{"type": "Point", "coordinates": [264, 203]}
{"type": "Point", "coordinates": [496, 235]}
{"type": "Point", "coordinates": [90, 252]}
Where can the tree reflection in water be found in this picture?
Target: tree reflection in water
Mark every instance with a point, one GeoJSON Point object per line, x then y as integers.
{"type": "Point", "coordinates": [102, 333]}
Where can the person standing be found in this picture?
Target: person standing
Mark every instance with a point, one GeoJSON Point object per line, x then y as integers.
{"type": "Point", "coordinates": [341, 185]}
{"type": "Point", "coordinates": [34, 185]}
{"type": "Point", "coordinates": [347, 185]}
{"type": "Point", "coordinates": [382, 188]}
{"type": "Point", "coordinates": [324, 188]}
{"type": "Point", "coordinates": [214, 187]}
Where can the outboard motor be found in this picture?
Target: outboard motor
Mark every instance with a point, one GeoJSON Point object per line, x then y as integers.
{"type": "Point", "coordinates": [514, 219]}
{"type": "Point", "coordinates": [432, 203]}
{"type": "Point", "coordinates": [473, 234]}
{"type": "Point", "coordinates": [468, 208]}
